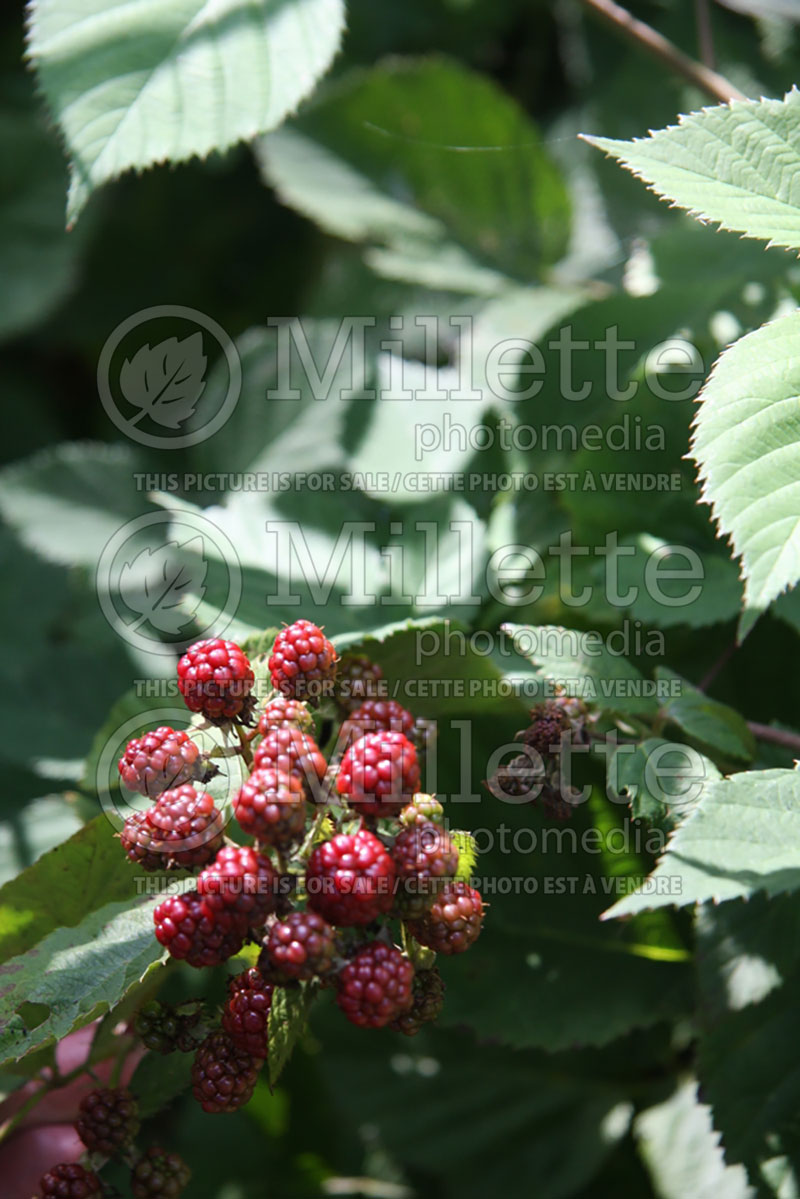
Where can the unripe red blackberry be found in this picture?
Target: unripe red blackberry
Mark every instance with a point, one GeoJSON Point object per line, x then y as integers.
{"type": "Point", "coordinates": [160, 760]}
{"type": "Point", "coordinates": [379, 774]}
{"type": "Point", "coordinates": [357, 679]}
{"type": "Point", "coordinates": [185, 827]}
{"type": "Point", "coordinates": [302, 664]}
{"type": "Point", "coordinates": [223, 1076]}
{"type": "Point", "coordinates": [69, 1181]}
{"type": "Point", "coordinates": [271, 806]}
{"type": "Point", "coordinates": [197, 934]}
{"type": "Point", "coordinates": [137, 839]}
{"type": "Point", "coordinates": [375, 987]}
{"type": "Point", "coordinates": [427, 1003]}
{"type": "Point", "coordinates": [425, 858]}
{"type": "Point", "coordinates": [159, 1175]}
{"type": "Point", "coordinates": [280, 711]}
{"type": "Point", "coordinates": [350, 879]}
{"type": "Point", "coordinates": [240, 880]}
{"type": "Point", "coordinates": [379, 716]}
{"type": "Point", "coordinates": [215, 678]}
{"type": "Point", "coordinates": [454, 921]}
{"type": "Point", "coordinates": [423, 809]}
{"type": "Point", "coordinates": [292, 752]}
{"type": "Point", "coordinates": [108, 1121]}
{"type": "Point", "coordinates": [245, 1017]}
{"type": "Point", "coordinates": [301, 946]}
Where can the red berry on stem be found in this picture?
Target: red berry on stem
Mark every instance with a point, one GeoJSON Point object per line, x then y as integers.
{"type": "Point", "coordinates": [245, 1017]}
{"type": "Point", "coordinates": [350, 879]}
{"type": "Point", "coordinates": [215, 678]}
{"type": "Point", "coordinates": [160, 760]}
{"type": "Point", "coordinates": [427, 1003]}
{"type": "Point", "coordinates": [382, 716]}
{"type": "Point", "coordinates": [375, 986]}
{"type": "Point", "coordinates": [271, 806]}
{"type": "Point", "coordinates": [379, 774]}
{"type": "Point", "coordinates": [280, 711]}
{"type": "Point", "coordinates": [223, 1076]}
{"type": "Point", "coordinates": [357, 679]}
{"type": "Point", "coordinates": [183, 828]}
{"type": "Point", "coordinates": [302, 946]}
{"type": "Point", "coordinates": [303, 662]}
{"type": "Point", "coordinates": [453, 922]}
{"type": "Point", "coordinates": [240, 880]}
{"type": "Point", "coordinates": [287, 749]}
{"type": "Point", "coordinates": [196, 933]}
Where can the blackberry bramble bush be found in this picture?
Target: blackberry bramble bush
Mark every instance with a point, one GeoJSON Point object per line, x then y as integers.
{"type": "Point", "coordinates": [302, 876]}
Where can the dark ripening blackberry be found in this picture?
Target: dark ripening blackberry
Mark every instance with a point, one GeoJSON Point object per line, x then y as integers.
{"type": "Point", "coordinates": [302, 946]}
{"type": "Point", "coordinates": [375, 987]}
{"type": "Point", "coordinates": [379, 774]}
{"type": "Point", "coordinates": [427, 1003]}
{"type": "Point", "coordinates": [69, 1181]}
{"type": "Point", "coordinates": [215, 677]}
{"type": "Point", "coordinates": [350, 879]}
{"type": "Point", "coordinates": [159, 1175]}
{"type": "Point", "coordinates": [357, 679]}
{"type": "Point", "coordinates": [302, 664]}
{"type": "Point", "coordinates": [245, 1017]}
{"type": "Point", "coordinates": [160, 760]}
{"type": "Point", "coordinates": [271, 806]}
{"type": "Point", "coordinates": [196, 933]}
{"type": "Point", "coordinates": [425, 858]}
{"type": "Point", "coordinates": [223, 1076]}
{"type": "Point", "coordinates": [108, 1121]}
{"type": "Point", "coordinates": [453, 923]}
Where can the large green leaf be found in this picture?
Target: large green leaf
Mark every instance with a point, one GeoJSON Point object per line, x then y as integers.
{"type": "Point", "coordinates": [132, 83]}
{"type": "Point", "coordinates": [585, 666]}
{"type": "Point", "coordinates": [749, 992]}
{"type": "Point", "coordinates": [431, 165]}
{"type": "Point", "coordinates": [682, 1151]}
{"type": "Point", "coordinates": [736, 163]}
{"type": "Point", "coordinates": [74, 975]}
{"type": "Point", "coordinates": [747, 445]}
{"type": "Point", "coordinates": [714, 726]}
{"type": "Point", "coordinates": [63, 887]}
{"type": "Point", "coordinates": [743, 836]}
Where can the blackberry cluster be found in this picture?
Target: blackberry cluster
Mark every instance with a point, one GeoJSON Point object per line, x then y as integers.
{"type": "Point", "coordinates": [328, 856]}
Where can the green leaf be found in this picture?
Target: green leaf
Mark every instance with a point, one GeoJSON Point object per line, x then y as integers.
{"type": "Point", "coordinates": [657, 778]}
{"type": "Point", "coordinates": [682, 1152]}
{"type": "Point", "coordinates": [747, 446]}
{"type": "Point", "coordinates": [288, 1018]}
{"type": "Point", "coordinates": [749, 994]}
{"type": "Point", "coordinates": [716, 727]}
{"type": "Point", "coordinates": [583, 664]}
{"type": "Point", "coordinates": [158, 1079]}
{"type": "Point", "coordinates": [431, 165]}
{"type": "Point", "coordinates": [736, 163]}
{"type": "Point", "coordinates": [131, 85]}
{"type": "Point", "coordinates": [743, 836]}
{"type": "Point", "coordinates": [74, 975]}
{"type": "Point", "coordinates": [433, 667]}
{"type": "Point", "coordinates": [64, 887]}
{"type": "Point", "coordinates": [37, 827]}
